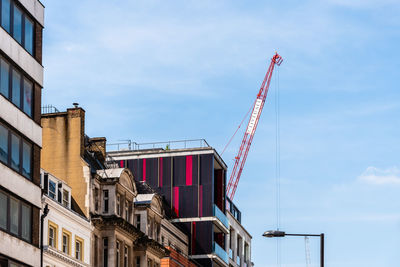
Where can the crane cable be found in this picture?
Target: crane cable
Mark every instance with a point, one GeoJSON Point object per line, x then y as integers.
{"type": "Point", "coordinates": [230, 140]}
{"type": "Point", "coordinates": [277, 165]}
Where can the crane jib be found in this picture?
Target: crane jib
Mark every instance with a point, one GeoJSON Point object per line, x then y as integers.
{"type": "Point", "coordinates": [254, 115]}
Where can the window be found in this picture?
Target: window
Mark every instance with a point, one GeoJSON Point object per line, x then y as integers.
{"type": "Point", "coordinates": [26, 159]}
{"type": "Point", "coordinates": [5, 14]}
{"type": "Point", "coordinates": [3, 210]}
{"type": "Point", "coordinates": [16, 87]}
{"type": "Point", "coordinates": [26, 222]}
{"type": "Point", "coordinates": [126, 256]}
{"type": "Point", "coordinates": [15, 217]}
{"type": "Point", "coordinates": [118, 204]}
{"type": "Point", "coordinates": [79, 248]}
{"type": "Point", "coordinates": [4, 78]}
{"type": "Point", "coordinates": [127, 211]}
{"type": "Point", "coordinates": [96, 252]}
{"type": "Point", "coordinates": [118, 254]}
{"type": "Point", "coordinates": [27, 97]}
{"type": "Point", "coordinates": [96, 199]}
{"type": "Point", "coordinates": [3, 144]}
{"type": "Point", "coordinates": [105, 252]}
{"type": "Point", "coordinates": [15, 147]}
{"type": "Point", "coordinates": [17, 154]}
{"type": "Point", "coordinates": [65, 200]}
{"type": "Point", "coordinates": [52, 189]}
{"type": "Point", "coordinates": [17, 25]}
{"type": "Point", "coordinates": [138, 261]}
{"type": "Point", "coordinates": [66, 242]}
{"type": "Point", "coordinates": [52, 235]}
{"type": "Point", "coordinates": [138, 221]}
{"type": "Point", "coordinates": [22, 26]}
{"type": "Point", "coordinates": [105, 199]}
{"type": "Point", "coordinates": [28, 42]}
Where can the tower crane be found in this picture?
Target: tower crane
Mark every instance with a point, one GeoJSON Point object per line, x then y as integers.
{"type": "Point", "coordinates": [258, 105]}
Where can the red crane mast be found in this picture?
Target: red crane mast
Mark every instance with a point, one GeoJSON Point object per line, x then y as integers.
{"type": "Point", "coordinates": [241, 157]}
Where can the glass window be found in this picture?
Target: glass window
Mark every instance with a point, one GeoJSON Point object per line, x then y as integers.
{"type": "Point", "coordinates": [26, 222]}
{"type": "Point", "coordinates": [52, 189]}
{"type": "Point", "coordinates": [65, 246]}
{"type": "Point", "coordinates": [3, 144]}
{"type": "Point", "coordinates": [118, 204]}
{"type": "Point", "coordinates": [4, 78]}
{"type": "Point", "coordinates": [3, 210]}
{"type": "Point", "coordinates": [118, 255]}
{"type": "Point", "coordinates": [65, 198]}
{"type": "Point", "coordinates": [78, 250]}
{"type": "Point", "coordinates": [16, 88]}
{"type": "Point", "coordinates": [105, 199]}
{"type": "Point", "coordinates": [52, 232]}
{"type": "Point", "coordinates": [14, 216]}
{"type": "Point", "coordinates": [26, 159]}
{"type": "Point", "coordinates": [15, 152]}
{"type": "Point", "coordinates": [28, 97]}
{"type": "Point", "coordinates": [29, 35]}
{"type": "Point", "coordinates": [17, 25]}
{"type": "Point", "coordinates": [5, 14]}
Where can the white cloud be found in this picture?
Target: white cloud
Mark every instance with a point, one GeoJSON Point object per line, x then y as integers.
{"type": "Point", "coordinates": [373, 175]}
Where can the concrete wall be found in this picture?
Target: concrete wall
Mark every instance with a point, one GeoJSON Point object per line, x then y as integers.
{"type": "Point", "coordinates": [13, 247]}
{"type": "Point", "coordinates": [238, 230]}
{"type": "Point", "coordinates": [62, 153]}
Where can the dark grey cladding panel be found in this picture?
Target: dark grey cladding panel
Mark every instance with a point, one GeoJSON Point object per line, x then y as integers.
{"type": "Point", "coordinates": [188, 201]}
{"type": "Point", "coordinates": [179, 171]}
{"type": "Point", "coordinates": [206, 169]}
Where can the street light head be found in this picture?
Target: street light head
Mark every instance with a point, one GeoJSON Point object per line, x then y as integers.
{"type": "Point", "coordinates": [274, 233]}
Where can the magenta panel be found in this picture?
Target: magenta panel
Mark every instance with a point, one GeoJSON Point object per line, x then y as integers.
{"type": "Point", "coordinates": [160, 172]}
{"type": "Point", "coordinates": [189, 170]}
{"type": "Point", "coordinates": [144, 170]}
{"type": "Point", "coordinates": [176, 200]}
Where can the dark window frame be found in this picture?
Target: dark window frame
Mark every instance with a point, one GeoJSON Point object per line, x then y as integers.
{"type": "Point", "coordinates": [20, 203]}
{"type": "Point", "coordinates": [23, 76]}
{"type": "Point", "coordinates": [21, 140]}
{"type": "Point", "coordinates": [25, 14]}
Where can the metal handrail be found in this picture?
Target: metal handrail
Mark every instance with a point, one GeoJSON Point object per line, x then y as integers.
{"type": "Point", "coordinates": [49, 109]}
{"type": "Point", "coordinates": [166, 145]}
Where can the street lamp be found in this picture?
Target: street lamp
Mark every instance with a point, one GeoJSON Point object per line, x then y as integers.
{"type": "Point", "coordinates": [45, 212]}
{"type": "Point", "coordinates": [277, 233]}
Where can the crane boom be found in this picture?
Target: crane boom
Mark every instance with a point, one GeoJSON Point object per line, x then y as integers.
{"type": "Point", "coordinates": [258, 105]}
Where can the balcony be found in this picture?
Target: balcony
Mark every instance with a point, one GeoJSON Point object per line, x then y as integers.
{"type": "Point", "coordinates": [220, 253]}
{"type": "Point", "coordinates": [221, 220]}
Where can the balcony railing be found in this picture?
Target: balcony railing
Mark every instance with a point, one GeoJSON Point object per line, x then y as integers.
{"type": "Point", "coordinates": [221, 216]}
{"type": "Point", "coordinates": [220, 252]}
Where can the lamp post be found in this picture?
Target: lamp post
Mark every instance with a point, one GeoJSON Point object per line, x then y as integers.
{"type": "Point", "coordinates": [45, 212]}
{"type": "Point", "coordinates": [276, 233]}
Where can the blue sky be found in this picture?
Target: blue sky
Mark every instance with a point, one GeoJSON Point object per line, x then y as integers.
{"type": "Point", "coordinates": [167, 70]}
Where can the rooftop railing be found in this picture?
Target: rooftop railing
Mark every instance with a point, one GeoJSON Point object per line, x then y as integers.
{"type": "Point", "coordinates": [49, 109]}
{"type": "Point", "coordinates": [166, 145]}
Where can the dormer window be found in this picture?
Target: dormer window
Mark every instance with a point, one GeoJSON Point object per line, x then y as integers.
{"type": "Point", "coordinates": [65, 200]}
{"type": "Point", "coordinates": [52, 189]}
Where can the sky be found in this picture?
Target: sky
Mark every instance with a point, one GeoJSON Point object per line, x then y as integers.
{"type": "Point", "coordinates": [169, 70]}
